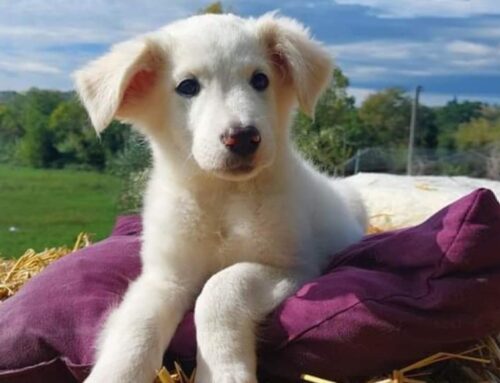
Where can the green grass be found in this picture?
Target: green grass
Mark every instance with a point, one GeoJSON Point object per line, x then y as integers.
{"type": "Point", "coordinates": [50, 207]}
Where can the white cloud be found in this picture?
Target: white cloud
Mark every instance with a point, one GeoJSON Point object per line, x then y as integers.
{"type": "Point", "coordinates": [39, 39]}
{"type": "Point", "coordinates": [42, 41]}
{"type": "Point", "coordinates": [60, 35]}
{"type": "Point", "coordinates": [426, 98]}
{"type": "Point", "coordinates": [366, 71]}
{"type": "Point", "coordinates": [427, 8]}
{"type": "Point", "coordinates": [379, 49]}
{"type": "Point", "coordinates": [77, 21]}
{"type": "Point", "coordinates": [28, 66]}
{"type": "Point", "coordinates": [387, 59]}
{"type": "Point", "coordinates": [470, 49]}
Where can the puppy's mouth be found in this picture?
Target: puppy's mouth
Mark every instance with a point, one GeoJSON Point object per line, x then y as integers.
{"type": "Point", "coordinates": [240, 169]}
{"type": "Point", "coordinates": [237, 170]}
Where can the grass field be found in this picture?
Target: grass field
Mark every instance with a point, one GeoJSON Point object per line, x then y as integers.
{"type": "Point", "coordinates": [46, 208]}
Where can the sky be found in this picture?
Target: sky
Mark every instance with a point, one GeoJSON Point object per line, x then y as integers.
{"type": "Point", "coordinates": [450, 47]}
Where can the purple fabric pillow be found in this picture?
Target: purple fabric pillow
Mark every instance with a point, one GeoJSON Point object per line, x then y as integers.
{"type": "Point", "coordinates": [391, 299]}
{"type": "Point", "coordinates": [395, 298]}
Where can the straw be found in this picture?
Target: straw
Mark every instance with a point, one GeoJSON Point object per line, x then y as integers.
{"type": "Point", "coordinates": [14, 274]}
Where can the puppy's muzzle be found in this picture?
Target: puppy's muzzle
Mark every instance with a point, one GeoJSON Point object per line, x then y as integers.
{"type": "Point", "coordinates": [242, 140]}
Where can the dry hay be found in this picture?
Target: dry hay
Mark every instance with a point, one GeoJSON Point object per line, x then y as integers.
{"type": "Point", "coordinates": [14, 274]}
{"type": "Point", "coordinates": [176, 376]}
{"type": "Point", "coordinates": [378, 223]}
{"type": "Point", "coordinates": [480, 363]}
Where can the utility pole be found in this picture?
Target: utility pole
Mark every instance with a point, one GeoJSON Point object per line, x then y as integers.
{"type": "Point", "coordinates": [413, 125]}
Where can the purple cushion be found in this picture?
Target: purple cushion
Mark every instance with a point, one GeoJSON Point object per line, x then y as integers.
{"type": "Point", "coordinates": [395, 298]}
{"type": "Point", "coordinates": [385, 302]}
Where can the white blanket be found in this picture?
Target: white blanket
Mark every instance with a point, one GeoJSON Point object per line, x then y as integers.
{"type": "Point", "coordinates": [395, 201]}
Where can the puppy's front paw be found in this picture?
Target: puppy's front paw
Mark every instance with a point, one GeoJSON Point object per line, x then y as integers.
{"type": "Point", "coordinates": [236, 375]}
{"type": "Point", "coordinates": [97, 378]}
{"type": "Point", "coordinates": [115, 376]}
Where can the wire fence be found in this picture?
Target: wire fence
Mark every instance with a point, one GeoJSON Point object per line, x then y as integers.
{"type": "Point", "coordinates": [483, 163]}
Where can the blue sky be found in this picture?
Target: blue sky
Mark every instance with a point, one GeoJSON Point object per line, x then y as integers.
{"type": "Point", "coordinates": [450, 47]}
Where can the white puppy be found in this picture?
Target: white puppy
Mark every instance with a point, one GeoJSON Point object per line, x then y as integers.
{"type": "Point", "coordinates": [233, 219]}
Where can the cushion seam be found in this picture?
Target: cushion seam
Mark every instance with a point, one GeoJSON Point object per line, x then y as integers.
{"type": "Point", "coordinates": [27, 369]}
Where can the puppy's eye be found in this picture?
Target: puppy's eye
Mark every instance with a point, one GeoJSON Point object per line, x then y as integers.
{"type": "Point", "coordinates": [259, 81]}
{"type": "Point", "coordinates": [188, 88]}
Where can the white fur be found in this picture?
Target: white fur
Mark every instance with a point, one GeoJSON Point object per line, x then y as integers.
{"type": "Point", "coordinates": [234, 243]}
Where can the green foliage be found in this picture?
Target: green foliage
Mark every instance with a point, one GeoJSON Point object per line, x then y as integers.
{"type": "Point", "coordinates": [449, 118]}
{"type": "Point", "coordinates": [75, 139]}
{"type": "Point", "coordinates": [385, 117]}
{"type": "Point", "coordinates": [10, 131]}
{"type": "Point", "coordinates": [427, 130]}
{"type": "Point", "coordinates": [132, 165]}
{"type": "Point", "coordinates": [10, 126]}
{"type": "Point", "coordinates": [27, 126]}
{"type": "Point", "coordinates": [7, 95]}
{"type": "Point", "coordinates": [133, 190]}
{"type": "Point", "coordinates": [213, 8]}
{"type": "Point", "coordinates": [135, 156]}
{"type": "Point", "coordinates": [35, 146]}
{"type": "Point", "coordinates": [51, 129]}
{"type": "Point", "coordinates": [479, 132]}
{"type": "Point", "coordinates": [327, 140]}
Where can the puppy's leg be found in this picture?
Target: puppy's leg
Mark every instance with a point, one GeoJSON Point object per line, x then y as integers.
{"type": "Point", "coordinates": [227, 312]}
{"type": "Point", "coordinates": [138, 331]}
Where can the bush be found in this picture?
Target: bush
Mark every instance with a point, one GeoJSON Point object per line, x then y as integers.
{"type": "Point", "coordinates": [132, 165]}
{"type": "Point", "coordinates": [134, 157]}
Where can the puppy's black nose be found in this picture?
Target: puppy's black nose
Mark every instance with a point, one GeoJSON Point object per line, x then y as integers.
{"type": "Point", "coordinates": [243, 141]}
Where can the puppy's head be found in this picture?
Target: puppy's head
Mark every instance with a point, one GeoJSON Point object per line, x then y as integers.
{"type": "Point", "coordinates": [215, 91]}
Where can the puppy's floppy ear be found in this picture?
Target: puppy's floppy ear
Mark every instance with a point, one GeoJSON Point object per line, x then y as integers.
{"type": "Point", "coordinates": [112, 85]}
{"type": "Point", "coordinates": [301, 60]}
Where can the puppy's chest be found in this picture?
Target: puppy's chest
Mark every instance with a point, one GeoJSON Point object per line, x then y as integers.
{"type": "Point", "coordinates": [248, 230]}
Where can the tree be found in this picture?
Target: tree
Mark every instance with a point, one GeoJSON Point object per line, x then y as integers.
{"type": "Point", "coordinates": [426, 135]}
{"type": "Point", "coordinates": [451, 116]}
{"type": "Point", "coordinates": [385, 117]}
{"type": "Point", "coordinates": [329, 139]}
{"type": "Point", "coordinates": [215, 8]}
{"type": "Point", "coordinates": [10, 132]}
{"type": "Point", "coordinates": [35, 146]}
{"type": "Point", "coordinates": [480, 132]}
{"type": "Point", "coordinates": [51, 129]}
{"type": "Point", "coordinates": [74, 138]}
{"type": "Point", "coordinates": [10, 127]}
